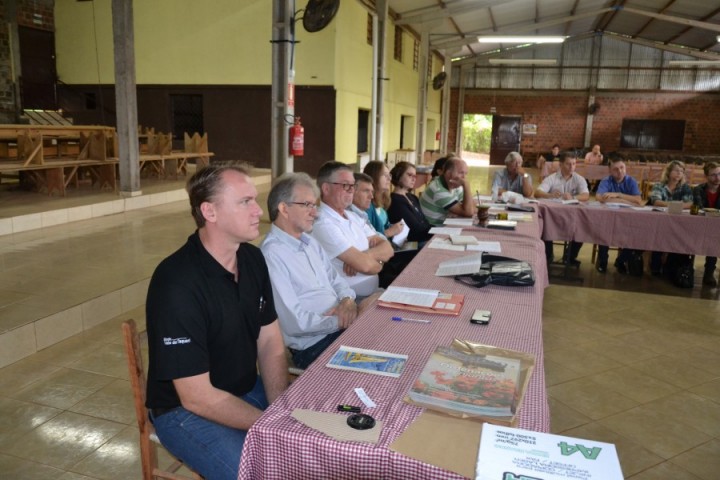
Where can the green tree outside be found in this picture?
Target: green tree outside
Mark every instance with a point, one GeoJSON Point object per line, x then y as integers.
{"type": "Point", "coordinates": [477, 130]}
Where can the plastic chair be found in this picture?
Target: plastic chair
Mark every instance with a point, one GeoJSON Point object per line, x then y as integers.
{"type": "Point", "coordinates": [148, 439]}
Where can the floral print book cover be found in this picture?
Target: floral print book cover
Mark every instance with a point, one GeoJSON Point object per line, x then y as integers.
{"type": "Point", "coordinates": [471, 384]}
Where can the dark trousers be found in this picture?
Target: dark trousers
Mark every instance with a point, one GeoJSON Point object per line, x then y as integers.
{"type": "Point", "coordinates": [572, 250]}
{"type": "Point", "coordinates": [303, 358]}
{"type": "Point", "coordinates": [603, 253]}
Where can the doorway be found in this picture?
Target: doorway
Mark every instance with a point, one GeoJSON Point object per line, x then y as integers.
{"type": "Point", "coordinates": [505, 138]}
{"type": "Point", "coordinates": [476, 136]}
{"type": "Point", "coordinates": [37, 66]}
{"type": "Point", "coordinates": [407, 132]}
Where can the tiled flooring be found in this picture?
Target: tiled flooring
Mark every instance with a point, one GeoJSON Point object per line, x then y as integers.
{"type": "Point", "coordinates": [630, 361]}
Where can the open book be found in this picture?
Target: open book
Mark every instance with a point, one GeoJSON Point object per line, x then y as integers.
{"type": "Point", "coordinates": [460, 266]}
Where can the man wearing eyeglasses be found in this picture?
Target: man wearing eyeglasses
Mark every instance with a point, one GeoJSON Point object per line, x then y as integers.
{"type": "Point", "coordinates": [356, 250]}
{"type": "Point", "coordinates": [313, 303]}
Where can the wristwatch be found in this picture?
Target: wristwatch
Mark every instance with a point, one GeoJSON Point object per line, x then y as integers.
{"type": "Point", "coordinates": [525, 175]}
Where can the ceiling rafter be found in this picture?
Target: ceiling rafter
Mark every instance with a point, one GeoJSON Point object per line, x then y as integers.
{"type": "Point", "coordinates": [647, 24]}
{"type": "Point", "coordinates": [605, 20]}
{"type": "Point", "coordinates": [714, 27]}
{"type": "Point", "coordinates": [432, 14]}
{"type": "Point", "coordinates": [687, 29]}
{"type": "Point", "coordinates": [517, 28]}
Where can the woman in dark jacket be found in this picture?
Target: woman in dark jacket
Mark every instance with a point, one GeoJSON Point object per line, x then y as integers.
{"type": "Point", "coordinates": [404, 205]}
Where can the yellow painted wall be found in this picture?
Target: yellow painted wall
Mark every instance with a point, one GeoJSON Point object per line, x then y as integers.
{"type": "Point", "coordinates": [186, 42]}
{"type": "Point", "coordinates": [227, 42]}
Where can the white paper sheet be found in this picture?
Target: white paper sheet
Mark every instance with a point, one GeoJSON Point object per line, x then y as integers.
{"type": "Point", "coordinates": [410, 296]}
{"type": "Point", "coordinates": [525, 454]}
{"type": "Point", "coordinates": [490, 247]}
{"type": "Point", "coordinates": [463, 240]}
{"type": "Point", "coordinates": [459, 221]}
{"type": "Point", "coordinates": [445, 231]}
{"type": "Point", "coordinates": [401, 237]}
{"type": "Point", "coordinates": [445, 244]}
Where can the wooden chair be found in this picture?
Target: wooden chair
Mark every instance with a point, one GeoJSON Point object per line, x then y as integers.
{"type": "Point", "coordinates": [148, 439]}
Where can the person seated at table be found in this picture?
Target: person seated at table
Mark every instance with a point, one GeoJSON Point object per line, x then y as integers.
{"type": "Point", "coordinates": [355, 249]}
{"type": "Point", "coordinates": [546, 159]}
{"type": "Point", "coordinates": [438, 167]}
{"type": "Point", "coordinates": [594, 157]}
{"type": "Point", "coordinates": [405, 205]}
{"type": "Point", "coordinates": [362, 204]}
{"type": "Point", "coordinates": [513, 178]}
{"type": "Point", "coordinates": [380, 201]}
{"type": "Point", "coordinates": [672, 187]}
{"type": "Point", "coordinates": [706, 195]}
{"type": "Point", "coordinates": [313, 303]}
{"type": "Point", "coordinates": [211, 327]}
{"type": "Point", "coordinates": [448, 193]}
{"type": "Point", "coordinates": [618, 187]}
{"type": "Point", "coordinates": [565, 184]}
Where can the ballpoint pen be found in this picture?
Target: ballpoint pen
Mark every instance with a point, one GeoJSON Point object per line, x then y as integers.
{"type": "Point", "coordinates": [405, 319]}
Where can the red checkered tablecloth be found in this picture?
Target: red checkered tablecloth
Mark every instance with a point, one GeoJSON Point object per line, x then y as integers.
{"type": "Point", "coordinates": [628, 228]}
{"type": "Point", "coordinates": [279, 447]}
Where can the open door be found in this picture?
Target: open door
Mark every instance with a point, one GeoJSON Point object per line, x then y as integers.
{"type": "Point", "coordinates": [505, 138]}
{"type": "Point", "coordinates": [37, 61]}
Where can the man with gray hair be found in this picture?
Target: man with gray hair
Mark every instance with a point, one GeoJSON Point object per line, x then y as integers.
{"type": "Point", "coordinates": [356, 250]}
{"type": "Point", "coordinates": [513, 178]}
{"type": "Point", "coordinates": [314, 304]}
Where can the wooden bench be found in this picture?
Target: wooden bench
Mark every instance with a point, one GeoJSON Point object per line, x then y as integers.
{"type": "Point", "coordinates": [54, 175]}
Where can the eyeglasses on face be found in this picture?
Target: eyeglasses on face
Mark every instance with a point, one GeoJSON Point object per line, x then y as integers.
{"type": "Point", "coordinates": [348, 187]}
{"type": "Point", "coordinates": [308, 205]}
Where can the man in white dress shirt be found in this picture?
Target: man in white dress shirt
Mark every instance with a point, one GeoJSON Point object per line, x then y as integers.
{"type": "Point", "coordinates": [313, 302]}
{"type": "Point", "coordinates": [356, 250]}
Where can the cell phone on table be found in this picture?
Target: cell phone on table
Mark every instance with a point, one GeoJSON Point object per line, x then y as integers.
{"type": "Point", "coordinates": [481, 317]}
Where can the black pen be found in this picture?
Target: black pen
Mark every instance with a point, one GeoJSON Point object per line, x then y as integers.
{"type": "Point", "coordinates": [348, 408]}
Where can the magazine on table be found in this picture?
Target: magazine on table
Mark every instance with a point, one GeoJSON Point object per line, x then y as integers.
{"type": "Point", "coordinates": [368, 361]}
{"type": "Point", "coordinates": [421, 300]}
{"type": "Point", "coordinates": [477, 385]}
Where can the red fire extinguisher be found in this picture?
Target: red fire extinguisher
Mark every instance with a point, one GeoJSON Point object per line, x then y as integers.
{"type": "Point", "coordinates": [297, 139]}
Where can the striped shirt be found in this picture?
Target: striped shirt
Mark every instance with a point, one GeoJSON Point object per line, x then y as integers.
{"type": "Point", "coordinates": [436, 200]}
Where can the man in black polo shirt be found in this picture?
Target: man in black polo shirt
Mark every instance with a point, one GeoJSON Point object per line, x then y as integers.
{"type": "Point", "coordinates": [211, 323]}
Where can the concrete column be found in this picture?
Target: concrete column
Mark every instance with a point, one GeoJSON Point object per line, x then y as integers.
{"type": "Point", "coordinates": [283, 84]}
{"type": "Point", "coordinates": [445, 112]}
{"type": "Point", "coordinates": [126, 97]}
{"type": "Point", "coordinates": [422, 94]}
{"type": "Point", "coordinates": [381, 7]}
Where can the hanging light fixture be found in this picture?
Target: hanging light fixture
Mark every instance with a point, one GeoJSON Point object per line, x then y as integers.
{"type": "Point", "coordinates": [520, 39]}
{"type": "Point", "coordinates": [522, 61]}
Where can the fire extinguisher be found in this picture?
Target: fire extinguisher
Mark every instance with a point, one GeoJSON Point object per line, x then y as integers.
{"type": "Point", "coordinates": [297, 139]}
{"type": "Point", "coordinates": [437, 135]}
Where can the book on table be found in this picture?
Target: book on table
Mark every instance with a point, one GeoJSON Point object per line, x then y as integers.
{"type": "Point", "coordinates": [421, 300]}
{"type": "Point", "coordinates": [478, 385]}
{"type": "Point", "coordinates": [513, 453]}
{"type": "Point", "coordinates": [368, 361]}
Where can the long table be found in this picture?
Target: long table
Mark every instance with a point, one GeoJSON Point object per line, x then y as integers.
{"type": "Point", "coordinates": [279, 447]}
{"type": "Point", "coordinates": [629, 228]}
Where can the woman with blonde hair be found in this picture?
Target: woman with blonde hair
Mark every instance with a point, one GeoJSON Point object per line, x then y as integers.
{"type": "Point", "coordinates": [377, 213]}
{"type": "Point", "coordinates": [672, 187]}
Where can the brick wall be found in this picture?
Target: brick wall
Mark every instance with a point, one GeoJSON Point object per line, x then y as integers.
{"type": "Point", "coordinates": [29, 13]}
{"type": "Point", "coordinates": [561, 117]}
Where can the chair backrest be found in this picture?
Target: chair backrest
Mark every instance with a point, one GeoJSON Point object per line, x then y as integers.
{"type": "Point", "coordinates": [138, 382]}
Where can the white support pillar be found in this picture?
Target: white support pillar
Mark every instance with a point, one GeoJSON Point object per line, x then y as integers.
{"type": "Point", "coordinates": [422, 95]}
{"type": "Point", "coordinates": [381, 7]}
{"type": "Point", "coordinates": [445, 115]}
{"type": "Point", "coordinates": [460, 111]}
{"type": "Point", "coordinates": [282, 92]}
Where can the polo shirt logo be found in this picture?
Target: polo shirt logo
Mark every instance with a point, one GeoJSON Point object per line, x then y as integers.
{"type": "Point", "coordinates": [175, 341]}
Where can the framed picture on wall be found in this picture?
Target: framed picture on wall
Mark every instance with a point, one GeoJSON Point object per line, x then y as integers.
{"type": "Point", "coordinates": [529, 129]}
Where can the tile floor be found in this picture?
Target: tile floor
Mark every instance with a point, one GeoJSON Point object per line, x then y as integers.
{"type": "Point", "coordinates": [630, 361]}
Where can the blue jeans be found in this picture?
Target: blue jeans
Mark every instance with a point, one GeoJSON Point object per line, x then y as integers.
{"type": "Point", "coordinates": [303, 358]}
{"type": "Point", "coordinates": [211, 449]}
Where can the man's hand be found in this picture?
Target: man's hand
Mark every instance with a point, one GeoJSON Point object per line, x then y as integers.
{"type": "Point", "coordinates": [374, 241]}
{"type": "Point", "coordinates": [556, 194]}
{"type": "Point", "coordinates": [567, 196]}
{"type": "Point", "coordinates": [348, 270]}
{"type": "Point", "coordinates": [346, 312]}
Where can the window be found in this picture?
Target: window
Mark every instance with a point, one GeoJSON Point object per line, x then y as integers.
{"type": "Point", "coordinates": [90, 101]}
{"type": "Point", "coordinates": [430, 66]}
{"type": "Point", "coordinates": [416, 55]}
{"type": "Point", "coordinates": [369, 29]}
{"type": "Point", "coordinates": [653, 134]}
{"type": "Point", "coordinates": [187, 114]}
{"type": "Point", "coordinates": [397, 54]}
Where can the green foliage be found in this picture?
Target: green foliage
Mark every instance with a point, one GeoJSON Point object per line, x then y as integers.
{"type": "Point", "coordinates": [477, 130]}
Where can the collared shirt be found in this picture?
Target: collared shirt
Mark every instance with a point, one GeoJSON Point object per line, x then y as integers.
{"type": "Point", "coordinates": [305, 286]}
{"type": "Point", "coordinates": [628, 186]}
{"type": "Point", "coordinates": [502, 180]}
{"type": "Point", "coordinates": [337, 234]}
{"type": "Point", "coordinates": [661, 192]}
{"type": "Point", "coordinates": [574, 185]}
{"type": "Point", "coordinates": [437, 200]}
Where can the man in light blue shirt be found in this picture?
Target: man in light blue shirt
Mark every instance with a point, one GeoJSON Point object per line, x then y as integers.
{"type": "Point", "coordinates": [313, 302]}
